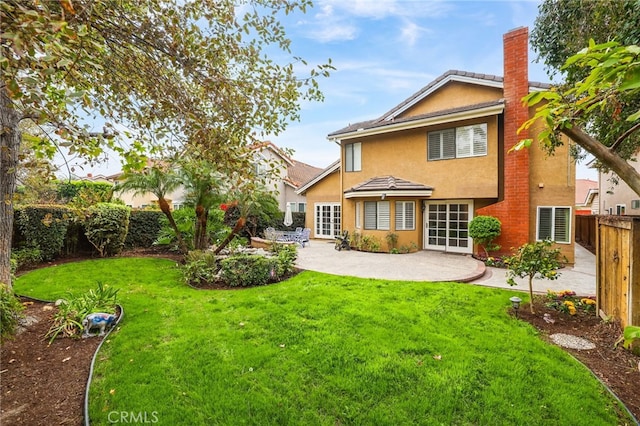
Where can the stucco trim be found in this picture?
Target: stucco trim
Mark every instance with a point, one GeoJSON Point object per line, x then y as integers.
{"type": "Point", "coordinates": [389, 193]}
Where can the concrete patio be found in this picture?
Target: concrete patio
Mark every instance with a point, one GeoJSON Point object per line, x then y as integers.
{"type": "Point", "coordinates": [426, 265]}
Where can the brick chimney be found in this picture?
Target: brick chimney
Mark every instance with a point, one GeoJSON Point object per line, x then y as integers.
{"type": "Point", "coordinates": [513, 210]}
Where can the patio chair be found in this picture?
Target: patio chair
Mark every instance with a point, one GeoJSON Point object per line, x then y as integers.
{"type": "Point", "coordinates": [306, 234]}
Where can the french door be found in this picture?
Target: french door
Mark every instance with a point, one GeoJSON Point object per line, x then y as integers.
{"type": "Point", "coordinates": [327, 220]}
{"type": "Point", "coordinates": [447, 226]}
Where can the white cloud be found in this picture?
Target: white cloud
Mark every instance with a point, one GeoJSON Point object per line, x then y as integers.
{"type": "Point", "coordinates": [411, 32]}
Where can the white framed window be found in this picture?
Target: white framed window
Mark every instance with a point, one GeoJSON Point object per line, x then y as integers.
{"type": "Point", "coordinates": [376, 215]}
{"type": "Point", "coordinates": [297, 207]}
{"type": "Point", "coordinates": [353, 157]}
{"type": "Point", "coordinates": [554, 223]}
{"type": "Point", "coordinates": [359, 215]}
{"type": "Point", "coordinates": [621, 209]}
{"type": "Point", "coordinates": [405, 215]}
{"type": "Point", "coordinates": [635, 204]}
{"type": "Point", "coordinates": [459, 142]}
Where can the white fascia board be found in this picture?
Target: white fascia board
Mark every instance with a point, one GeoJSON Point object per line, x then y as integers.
{"type": "Point", "coordinates": [430, 121]}
{"type": "Point", "coordinates": [389, 194]}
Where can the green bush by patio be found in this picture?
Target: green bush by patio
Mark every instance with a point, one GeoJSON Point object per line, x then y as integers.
{"type": "Point", "coordinates": [320, 349]}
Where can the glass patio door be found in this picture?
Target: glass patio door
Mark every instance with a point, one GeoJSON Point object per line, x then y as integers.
{"type": "Point", "coordinates": [327, 220]}
{"type": "Point", "coordinates": [447, 227]}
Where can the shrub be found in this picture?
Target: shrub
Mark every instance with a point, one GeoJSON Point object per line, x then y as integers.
{"type": "Point", "coordinates": [483, 230]}
{"type": "Point", "coordinates": [246, 270]}
{"type": "Point", "coordinates": [43, 227]}
{"type": "Point", "coordinates": [68, 319]}
{"type": "Point", "coordinates": [26, 257]}
{"type": "Point", "coordinates": [392, 240]}
{"type": "Point", "coordinates": [10, 312]}
{"type": "Point", "coordinates": [285, 259]}
{"type": "Point", "coordinates": [201, 267]}
{"type": "Point", "coordinates": [82, 193]}
{"type": "Point", "coordinates": [144, 227]}
{"type": "Point", "coordinates": [106, 227]}
{"type": "Point", "coordinates": [365, 242]}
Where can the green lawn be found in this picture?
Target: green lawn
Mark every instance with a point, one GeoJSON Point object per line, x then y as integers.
{"type": "Point", "coordinates": [322, 350]}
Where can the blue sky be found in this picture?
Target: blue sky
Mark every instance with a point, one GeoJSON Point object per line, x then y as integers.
{"type": "Point", "coordinates": [384, 51]}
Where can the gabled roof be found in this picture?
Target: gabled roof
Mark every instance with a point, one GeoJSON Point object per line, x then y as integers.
{"type": "Point", "coordinates": [382, 126]}
{"type": "Point", "coordinates": [331, 168]}
{"type": "Point", "coordinates": [390, 120]}
{"type": "Point", "coordinates": [388, 186]}
{"type": "Point", "coordinates": [299, 173]}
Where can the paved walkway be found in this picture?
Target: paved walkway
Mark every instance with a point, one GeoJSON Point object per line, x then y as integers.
{"type": "Point", "coordinates": [437, 266]}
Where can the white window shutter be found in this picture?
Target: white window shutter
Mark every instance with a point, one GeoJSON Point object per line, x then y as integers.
{"type": "Point", "coordinates": [561, 225]}
{"type": "Point", "coordinates": [433, 146]}
{"type": "Point", "coordinates": [480, 139]}
{"type": "Point", "coordinates": [545, 220]}
{"type": "Point", "coordinates": [384, 215]}
{"type": "Point", "coordinates": [370, 215]}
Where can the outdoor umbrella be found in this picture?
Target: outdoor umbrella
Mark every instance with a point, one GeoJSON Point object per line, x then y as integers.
{"type": "Point", "coordinates": [288, 217]}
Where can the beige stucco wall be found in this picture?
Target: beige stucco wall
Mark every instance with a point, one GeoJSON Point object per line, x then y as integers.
{"type": "Point", "coordinates": [454, 95]}
{"type": "Point", "coordinates": [552, 184]}
{"type": "Point", "coordinates": [404, 155]}
{"type": "Point", "coordinates": [325, 191]}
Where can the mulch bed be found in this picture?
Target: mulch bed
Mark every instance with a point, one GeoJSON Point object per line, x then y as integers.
{"type": "Point", "coordinates": [44, 384]}
{"type": "Point", "coordinates": [616, 367]}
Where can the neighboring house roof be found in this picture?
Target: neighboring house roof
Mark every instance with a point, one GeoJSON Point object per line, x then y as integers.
{"type": "Point", "coordinates": [586, 189]}
{"type": "Point", "coordinates": [259, 146]}
{"type": "Point", "coordinates": [299, 173]}
{"type": "Point", "coordinates": [389, 121]}
{"type": "Point", "coordinates": [388, 185]}
{"type": "Point", "coordinates": [333, 167]}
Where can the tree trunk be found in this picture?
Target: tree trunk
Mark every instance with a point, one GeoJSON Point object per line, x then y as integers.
{"type": "Point", "coordinates": [164, 207]}
{"type": "Point", "coordinates": [200, 236]}
{"type": "Point", "coordinates": [10, 139]}
{"type": "Point", "coordinates": [606, 156]}
{"type": "Point", "coordinates": [531, 294]}
{"type": "Point", "coordinates": [235, 231]}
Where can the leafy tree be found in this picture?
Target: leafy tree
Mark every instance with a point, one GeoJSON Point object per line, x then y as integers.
{"type": "Point", "coordinates": [485, 229]}
{"type": "Point", "coordinates": [612, 83]}
{"type": "Point", "coordinates": [204, 185]}
{"type": "Point", "coordinates": [159, 181]}
{"type": "Point", "coordinates": [564, 27]}
{"type": "Point", "coordinates": [534, 260]}
{"type": "Point", "coordinates": [592, 97]}
{"type": "Point", "coordinates": [181, 73]}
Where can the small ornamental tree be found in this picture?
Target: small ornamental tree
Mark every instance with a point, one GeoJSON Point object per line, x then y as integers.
{"type": "Point", "coordinates": [537, 260]}
{"type": "Point", "coordinates": [483, 230]}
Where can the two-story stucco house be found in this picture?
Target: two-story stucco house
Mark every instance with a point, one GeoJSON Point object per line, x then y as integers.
{"type": "Point", "coordinates": [425, 168]}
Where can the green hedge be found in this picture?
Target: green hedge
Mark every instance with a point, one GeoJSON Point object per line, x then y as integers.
{"type": "Point", "coordinates": [144, 227]}
{"type": "Point", "coordinates": [106, 227]}
{"type": "Point", "coordinates": [84, 193]}
{"type": "Point", "coordinates": [43, 227]}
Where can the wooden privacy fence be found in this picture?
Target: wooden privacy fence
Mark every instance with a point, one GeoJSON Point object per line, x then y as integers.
{"type": "Point", "coordinates": [586, 231]}
{"type": "Point", "coordinates": [618, 268]}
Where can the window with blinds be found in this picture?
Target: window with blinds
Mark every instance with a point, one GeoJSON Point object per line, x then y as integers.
{"type": "Point", "coordinates": [459, 142]}
{"type": "Point", "coordinates": [405, 215]}
{"type": "Point", "coordinates": [554, 223]}
{"type": "Point", "coordinates": [377, 215]}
